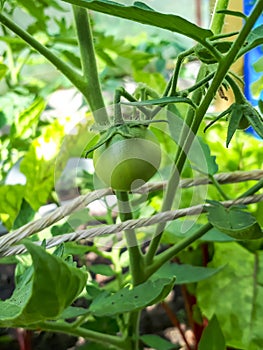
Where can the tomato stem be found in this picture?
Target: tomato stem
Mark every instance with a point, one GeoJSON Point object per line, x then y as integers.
{"type": "Point", "coordinates": [130, 98]}
{"type": "Point", "coordinates": [118, 119]}
{"type": "Point", "coordinates": [102, 338]}
{"type": "Point", "coordinates": [135, 255]}
{"type": "Point", "coordinates": [194, 118]}
{"type": "Point", "coordinates": [91, 89]}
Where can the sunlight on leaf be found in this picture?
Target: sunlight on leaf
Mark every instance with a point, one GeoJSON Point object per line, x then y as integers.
{"type": "Point", "coordinates": [11, 200]}
{"type": "Point", "coordinates": [39, 163]}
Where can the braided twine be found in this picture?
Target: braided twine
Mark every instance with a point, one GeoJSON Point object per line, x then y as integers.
{"type": "Point", "coordinates": [8, 241]}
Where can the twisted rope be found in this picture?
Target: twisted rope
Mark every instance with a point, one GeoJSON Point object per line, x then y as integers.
{"type": "Point", "coordinates": [48, 220]}
{"type": "Point", "coordinates": [82, 201]}
{"type": "Point", "coordinates": [222, 178]}
{"type": "Point", "coordinates": [131, 224]}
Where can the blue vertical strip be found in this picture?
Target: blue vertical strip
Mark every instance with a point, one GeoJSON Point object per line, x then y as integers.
{"type": "Point", "coordinates": [250, 75]}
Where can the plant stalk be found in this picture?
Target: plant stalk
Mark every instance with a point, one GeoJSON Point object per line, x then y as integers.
{"type": "Point", "coordinates": [135, 256]}
{"type": "Point", "coordinates": [135, 264]}
{"type": "Point", "coordinates": [171, 252]}
{"type": "Point", "coordinates": [217, 21]}
{"type": "Point", "coordinates": [194, 121]}
{"type": "Point", "coordinates": [102, 338]}
{"type": "Point", "coordinates": [92, 90]}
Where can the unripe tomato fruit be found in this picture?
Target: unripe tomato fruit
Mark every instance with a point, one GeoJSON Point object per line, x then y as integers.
{"type": "Point", "coordinates": [124, 163]}
{"type": "Point", "coordinates": [243, 124]}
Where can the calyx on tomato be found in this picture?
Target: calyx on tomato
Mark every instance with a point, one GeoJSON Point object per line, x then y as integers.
{"type": "Point", "coordinates": [126, 156]}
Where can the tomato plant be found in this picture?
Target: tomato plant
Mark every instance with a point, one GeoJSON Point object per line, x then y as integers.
{"type": "Point", "coordinates": [149, 250]}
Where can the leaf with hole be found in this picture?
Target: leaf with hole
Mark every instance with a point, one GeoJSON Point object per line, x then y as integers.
{"type": "Point", "coordinates": [126, 299]}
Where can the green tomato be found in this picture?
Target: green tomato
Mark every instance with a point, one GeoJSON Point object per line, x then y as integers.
{"type": "Point", "coordinates": [243, 124]}
{"type": "Point", "coordinates": [125, 162]}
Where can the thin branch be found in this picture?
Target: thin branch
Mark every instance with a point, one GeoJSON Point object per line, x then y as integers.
{"type": "Point", "coordinates": [68, 71]}
{"type": "Point", "coordinates": [92, 89]}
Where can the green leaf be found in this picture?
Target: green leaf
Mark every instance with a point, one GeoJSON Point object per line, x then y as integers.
{"type": "Point", "coordinates": [184, 228]}
{"type": "Point", "coordinates": [144, 14]}
{"type": "Point", "coordinates": [186, 273]}
{"type": "Point", "coordinates": [233, 13]}
{"type": "Point", "coordinates": [126, 300]}
{"type": "Point", "coordinates": [101, 269]}
{"type": "Point", "coordinates": [36, 10]}
{"type": "Point", "coordinates": [254, 39]}
{"type": "Point", "coordinates": [212, 337]}
{"type": "Point", "coordinates": [162, 101]}
{"type": "Point", "coordinates": [156, 342]}
{"type": "Point", "coordinates": [54, 286]}
{"type": "Point", "coordinates": [260, 106]}
{"type": "Point", "coordinates": [236, 223]}
{"type": "Point", "coordinates": [10, 204]}
{"type": "Point", "coordinates": [235, 295]}
{"type": "Point", "coordinates": [205, 55]}
{"type": "Point", "coordinates": [72, 312]}
{"type": "Point", "coordinates": [25, 215]}
{"type": "Point", "coordinates": [142, 5]}
{"type": "Point", "coordinates": [153, 79]}
{"type": "Point", "coordinates": [108, 46]}
{"type": "Point", "coordinates": [3, 70]}
{"type": "Point", "coordinates": [39, 163]}
{"type": "Point", "coordinates": [211, 166]}
{"type": "Point", "coordinates": [26, 122]}
{"type": "Point", "coordinates": [254, 119]}
{"type": "Point", "coordinates": [234, 120]}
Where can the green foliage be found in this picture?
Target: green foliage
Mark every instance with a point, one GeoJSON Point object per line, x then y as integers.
{"type": "Point", "coordinates": [186, 273]}
{"type": "Point", "coordinates": [254, 39]}
{"type": "Point", "coordinates": [185, 228]}
{"type": "Point", "coordinates": [144, 14]}
{"type": "Point", "coordinates": [25, 124]}
{"type": "Point", "coordinates": [11, 200]}
{"type": "Point", "coordinates": [126, 299]}
{"type": "Point", "coordinates": [233, 221]}
{"type": "Point", "coordinates": [25, 215]}
{"type": "Point", "coordinates": [44, 292]}
{"type": "Point", "coordinates": [237, 290]}
{"type": "Point", "coordinates": [212, 337]}
{"type": "Point", "coordinates": [38, 165]}
{"type": "Point", "coordinates": [157, 342]}
{"type": "Point", "coordinates": [3, 70]}
{"type": "Point", "coordinates": [212, 167]}
{"type": "Point", "coordinates": [221, 265]}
